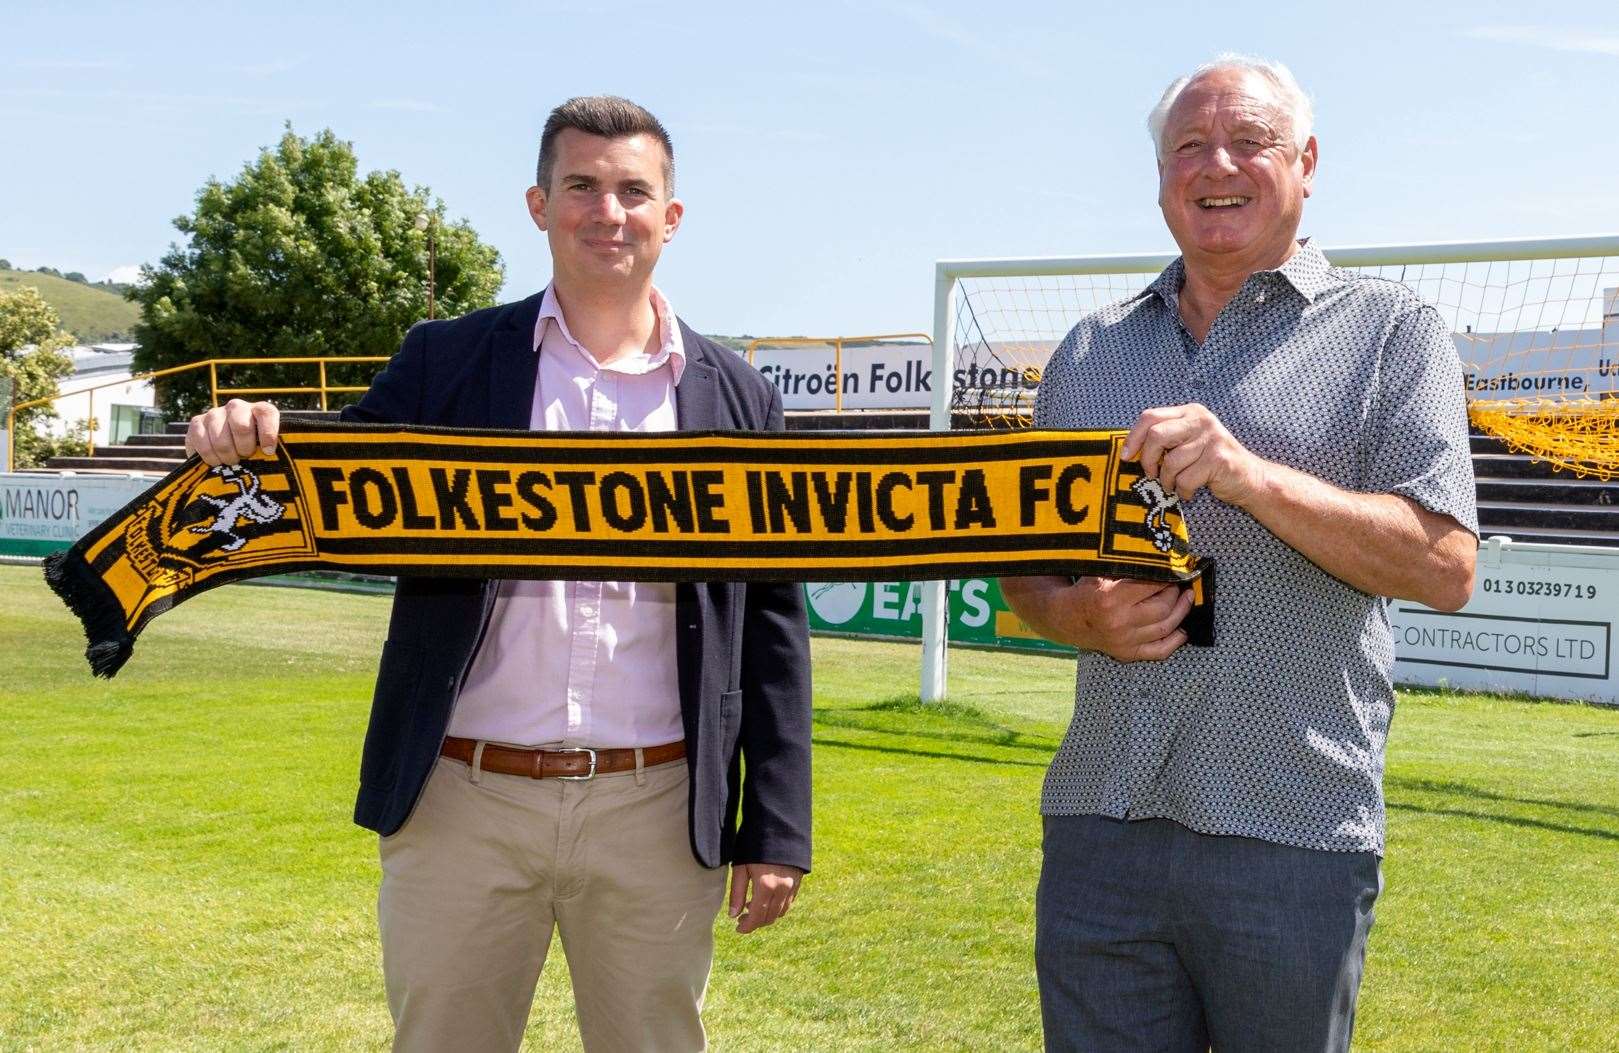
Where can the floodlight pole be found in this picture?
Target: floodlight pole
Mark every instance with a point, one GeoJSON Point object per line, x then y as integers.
{"type": "Point", "coordinates": [427, 223]}
{"type": "Point", "coordinates": [935, 594]}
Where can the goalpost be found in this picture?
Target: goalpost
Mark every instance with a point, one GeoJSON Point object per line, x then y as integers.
{"type": "Point", "coordinates": [1536, 322]}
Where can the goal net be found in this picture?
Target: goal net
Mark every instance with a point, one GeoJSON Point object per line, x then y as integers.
{"type": "Point", "coordinates": [1536, 324]}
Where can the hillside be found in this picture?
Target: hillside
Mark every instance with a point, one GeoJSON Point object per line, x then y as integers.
{"type": "Point", "coordinates": [92, 315]}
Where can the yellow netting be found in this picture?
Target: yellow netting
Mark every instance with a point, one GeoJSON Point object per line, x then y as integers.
{"type": "Point", "coordinates": [1580, 435]}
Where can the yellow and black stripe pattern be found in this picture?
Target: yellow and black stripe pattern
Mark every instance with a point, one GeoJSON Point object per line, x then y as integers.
{"type": "Point", "coordinates": [676, 506]}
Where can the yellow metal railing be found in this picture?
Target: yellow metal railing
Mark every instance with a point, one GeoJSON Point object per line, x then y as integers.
{"type": "Point", "coordinates": [836, 343]}
{"type": "Point", "coordinates": [324, 390]}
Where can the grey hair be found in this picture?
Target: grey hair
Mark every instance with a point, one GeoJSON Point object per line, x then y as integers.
{"type": "Point", "coordinates": [1301, 114]}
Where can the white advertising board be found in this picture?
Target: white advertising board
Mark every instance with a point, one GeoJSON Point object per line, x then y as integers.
{"type": "Point", "coordinates": [876, 376]}
{"type": "Point", "coordinates": [1568, 363]}
{"type": "Point", "coordinates": [45, 513]}
{"type": "Point", "coordinates": [1541, 621]}
{"type": "Point", "coordinates": [1574, 363]}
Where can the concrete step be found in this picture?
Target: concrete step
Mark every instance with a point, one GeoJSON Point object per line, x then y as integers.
{"type": "Point", "coordinates": [1516, 466]}
{"type": "Point", "coordinates": [161, 465]}
{"type": "Point", "coordinates": [1558, 491]}
{"type": "Point", "coordinates": [1511, 515]}
{"type": "Point", "coordinates": [178, 427]}
{"type": "Point", "coordinates": [1556, 536]}
{"type": "Point", "coordinates": [159, 439]}
{"type": "Point", "coordinates": [175, 453]}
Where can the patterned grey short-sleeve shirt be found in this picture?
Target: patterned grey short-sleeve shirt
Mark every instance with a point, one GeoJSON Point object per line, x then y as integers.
{"type": "Point", "coordinates": [1277, 732]}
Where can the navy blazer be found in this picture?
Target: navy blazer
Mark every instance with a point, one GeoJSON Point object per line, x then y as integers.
{"type": "Point", "coordinates": [742, 649]}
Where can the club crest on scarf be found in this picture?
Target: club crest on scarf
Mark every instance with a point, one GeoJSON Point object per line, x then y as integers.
{"type": "Point", "coordinates": [250, 505]}
{"type": "Point", "coordinates": [209, 515]}
{"type": "Point", "coordinates": [1159, 505]}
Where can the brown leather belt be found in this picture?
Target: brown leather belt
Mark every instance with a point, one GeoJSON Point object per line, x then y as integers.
{"type": "Point", "coordinates": [569, 762]}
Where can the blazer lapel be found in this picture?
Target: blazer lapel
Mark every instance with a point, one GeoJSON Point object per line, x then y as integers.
{"type": "Point", "coordinates": [696, 409]}
{"type": "Point", "coordinates": [697, 396]}
{"type": "Point", "coordinates": [513, 367]}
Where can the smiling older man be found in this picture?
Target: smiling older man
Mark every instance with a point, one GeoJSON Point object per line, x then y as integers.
{"type": "Point", "coordinates": [1214, 817]}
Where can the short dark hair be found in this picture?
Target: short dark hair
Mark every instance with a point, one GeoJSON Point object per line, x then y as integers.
{"type": "Point", "coordinates": [609, 117]}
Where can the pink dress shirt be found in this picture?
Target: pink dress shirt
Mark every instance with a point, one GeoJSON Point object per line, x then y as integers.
{"type": "Point", "coordinates": [583, 663]}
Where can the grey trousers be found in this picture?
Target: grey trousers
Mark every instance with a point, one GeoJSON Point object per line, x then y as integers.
{"type": "Point", "coordinates": [1149, 936]}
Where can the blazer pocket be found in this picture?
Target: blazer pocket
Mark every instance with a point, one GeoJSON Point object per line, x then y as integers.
{"type": "Point", "coordinates": [392, 704]}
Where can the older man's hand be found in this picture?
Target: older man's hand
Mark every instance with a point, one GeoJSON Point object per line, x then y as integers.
{"type": "Point", "coordinates": [1186, 447]}
{"type": "Point", "coordinates": [226, 434]}
{"type": "Point", "coordinates": [761, 893]}
{"type": "Point", "coordinates": [1127, 620]}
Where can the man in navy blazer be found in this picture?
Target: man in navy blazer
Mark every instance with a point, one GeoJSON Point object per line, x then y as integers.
{"type": "Point", "coordinates": [503, 809]}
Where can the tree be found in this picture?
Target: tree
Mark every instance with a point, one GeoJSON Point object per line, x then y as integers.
{"type": "Point", "coordinates": [301, 256]}
{"type": "Point", "coordinates": [31, 356]}
{"type": "Point", "coordinates": [5, 265]}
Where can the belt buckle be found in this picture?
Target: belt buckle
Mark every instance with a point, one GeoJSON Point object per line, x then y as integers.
{"type": "Point", "coordinates": [591, 774]}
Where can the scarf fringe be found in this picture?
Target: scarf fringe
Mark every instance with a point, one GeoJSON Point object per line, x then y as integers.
{"type": "Point", "coordinates": [89, 598]}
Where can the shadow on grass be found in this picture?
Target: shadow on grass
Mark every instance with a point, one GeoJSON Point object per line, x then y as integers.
{"type": "Point", "coordinates": [1462, 789]}
{"type": "Point", "coordinates": [933, 754]}
{"type": "Point", "coordinates": [1508, 820]}
{"type": "Point", "coordinates": [954, 723]}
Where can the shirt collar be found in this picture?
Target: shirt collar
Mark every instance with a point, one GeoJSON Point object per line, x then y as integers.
{"type": "Point", "coordinates": [1307, 270]}
{"type": "Point", "coordinates": [671, 348]}
{"type": "Point", "coordinates": [1167, 286]}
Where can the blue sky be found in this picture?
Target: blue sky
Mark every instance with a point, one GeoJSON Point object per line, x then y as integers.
{"type": "Point", "coordinates": [828, 153]}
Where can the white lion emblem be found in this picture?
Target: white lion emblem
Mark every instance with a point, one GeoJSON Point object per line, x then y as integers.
{"type": "Point", "coordinates": [250, 504]}
{"type": "Point", "coordinates": [1159, 504]}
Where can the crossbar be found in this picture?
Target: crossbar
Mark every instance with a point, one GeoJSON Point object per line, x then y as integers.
{"type": "Point", "coordinates": [1544, 248]}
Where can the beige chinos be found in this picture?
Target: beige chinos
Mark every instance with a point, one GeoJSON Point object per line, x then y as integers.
{"type": "Point", "coordinates": [489, 864]}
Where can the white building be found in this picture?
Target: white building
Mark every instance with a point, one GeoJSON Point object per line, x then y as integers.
{"type": "Point", "coordinates": [116, 409]}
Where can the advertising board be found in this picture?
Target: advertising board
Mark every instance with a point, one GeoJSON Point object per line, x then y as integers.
{"type": "Point", "coordinates": [1567, 363]}
{"type": "Point", "coordinates": [883, 376]}
{"type": "Point", "coordinates": [891, 610]}
{"type": "Point", "coordinates": [1541, 622]}
{"type": "Point", "coordinates": [44, 513]}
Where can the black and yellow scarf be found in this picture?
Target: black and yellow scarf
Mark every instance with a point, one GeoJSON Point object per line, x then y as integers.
{"type": "Point", "coordinates": [671, 506]}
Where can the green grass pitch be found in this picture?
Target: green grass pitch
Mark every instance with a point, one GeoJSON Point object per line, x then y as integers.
{"type": "Point", "coordinates": [178, 869]}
